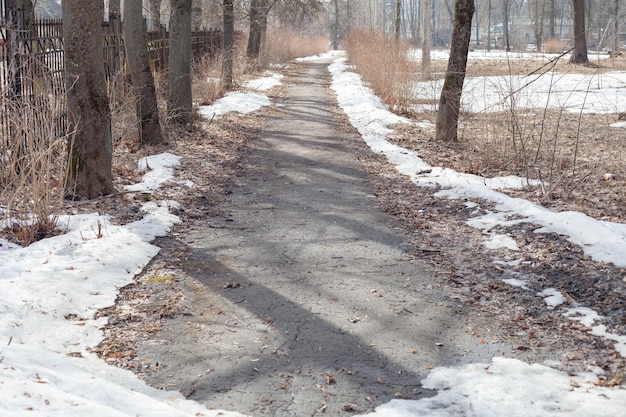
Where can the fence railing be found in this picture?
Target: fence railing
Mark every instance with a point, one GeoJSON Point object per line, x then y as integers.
{"type": "Point", "coordinates": [32, 71]}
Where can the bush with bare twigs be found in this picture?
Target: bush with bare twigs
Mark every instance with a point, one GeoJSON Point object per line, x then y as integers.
{"type": "Point", "coordinates": [32, 163]}
{"type": "Point", "coordinates": [385, 67]}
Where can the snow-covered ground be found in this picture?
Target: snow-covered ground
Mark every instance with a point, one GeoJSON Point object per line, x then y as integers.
{"type": "Point", "coordinates": [589, 93]}
{"type": "Point", "coordinates": [51, 290]}
{"type": "Point", "coordinates": [49, 294]}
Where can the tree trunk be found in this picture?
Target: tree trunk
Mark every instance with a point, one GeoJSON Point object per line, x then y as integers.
{"type": "Point", "coordinates": [254, 37]}
{"type": "Point", "coordinates": [539, 19]}
{"type": "Point", "coordinates": [489, 25]}
{"type": "Point", "coordinates": [141, 77]}
{"type": "Point", "coordinates": [229, 44]}
{"type": "Point", "coordinates": [154, 15]}
{"type": "Point", "coordinates": [398, 20]}
{"type": "Point", "coordinates": [179, 103]}
{"type": "Point", "coordinates": [450, 100]}
{"type": "Point", "coordinates": [114, 8]}
{"type": "Point", "coordinates": [259, 10]}
{"type": "Point", "coordinates": [616, 25]}
{"type": "Point", "coordinates": [426, 40]}
{"type": "Point", "coordinates": [336, 27]}
{"type": "Point", "coordinates": [552, 19]}
{"type": "Point", "coordinates": [579, 55]}
{"type": "Point", "coordinates": [505, 28]}
{"type": "Point", "coordinates": [89, 117]}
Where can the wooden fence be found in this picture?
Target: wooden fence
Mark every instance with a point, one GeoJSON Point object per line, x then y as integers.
{"type": "Point", "coordinates": [32, 72]}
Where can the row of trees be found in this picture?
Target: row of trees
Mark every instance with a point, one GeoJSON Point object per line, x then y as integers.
{"type": "Point", "coordinates": [505, 24]}
{"type": "Point", "coordinates": [89, 117]}
{"type": "Point", "coordinates": [90, 165]}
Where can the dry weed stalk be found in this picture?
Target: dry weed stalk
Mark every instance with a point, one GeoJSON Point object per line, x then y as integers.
{"type": "Point", "coordinates": [207, 84]}
{"type": "Point", "coordinates": [123, 114]}
{"type": "Point", "coordinates": [33, 152]}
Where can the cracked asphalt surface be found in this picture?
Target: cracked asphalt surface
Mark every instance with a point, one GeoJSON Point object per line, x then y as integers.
{"type": "Point", "coordinates": [298, 296]}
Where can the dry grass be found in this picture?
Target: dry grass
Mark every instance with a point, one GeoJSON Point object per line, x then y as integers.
{"type": "Point", "coordinates": [123, 114]}
{"type": "Point", "coordinates": [282, 47]}
{"type": "Point", "coordinates": [207, 83]}
{"type": "Point", "coordinates": [32, 175]}
{"type": "Point", "coordinates": [385, 67]}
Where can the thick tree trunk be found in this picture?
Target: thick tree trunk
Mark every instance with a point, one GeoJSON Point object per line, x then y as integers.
{"type": "Point", "coordinates": [579, 55]}
{"type": "Point", "coordinates": [142, 80]}
{"type": "Point", "coordinates": [259, 9]}
{"type": "Point", "coordinates": [254, 38]}
{"type": "Point", "coordinates": [450, 100]}
{"type": "Point", "coordinates": [89, 117]}
{"type": "Point", "coordinates": [179, 103]}
{"type": "Point", "coordinates": [229, 45]}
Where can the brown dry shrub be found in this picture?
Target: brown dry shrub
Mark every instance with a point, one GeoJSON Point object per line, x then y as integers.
{"type": "Point", "coordinates": [207, 83]}
{"type": "Point", "coordinates": [554, 46]}
{"type": "Point", "coordinates": [32, 167]}
{"type": "Point", "coordinates": [384, 66]}
{"type": "Point", "coordinates": [281, 47]}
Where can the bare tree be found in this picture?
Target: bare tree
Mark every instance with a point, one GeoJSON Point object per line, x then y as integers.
{"type": "Point", "coordinates": [336, 27]}
{"type": "Point", "coordinates": [229, 44]}
{"type": "Point", "coordinates": [398, 20]}
{"type": "Point", "coordinates": [142, 80]}
{"type": "Point", "coordinates": [505, 22]}
{"type": "Point", "coordinates": [427, 40]}
{"type": "Point", "coordinates": [450, 100]}
{"type": "Point", "coordinates": [89, 171]}
{"type": "Point", "coordinates": [552, 19]}
{"type": "Point", "coordinates": [616, 34]}
{"type": "Point", "coordinates": [579, 55]}
{"type": "Point", "coordinates": [539, 13]}
{"type": "Point", "coordinates": [489, 25]}
{"type": "Point", "coordinates": [259, 10]}
{"type": "Point", "coordinates": [179, 103]}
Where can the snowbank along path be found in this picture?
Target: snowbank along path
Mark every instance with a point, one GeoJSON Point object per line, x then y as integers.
{"type": "Point", "coordinates": [300, 297]}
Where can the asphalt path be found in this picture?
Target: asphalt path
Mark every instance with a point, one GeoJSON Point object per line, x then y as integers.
{"type": "Point", "coordinates": [300, 297]}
